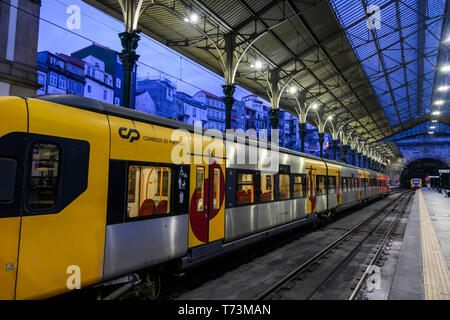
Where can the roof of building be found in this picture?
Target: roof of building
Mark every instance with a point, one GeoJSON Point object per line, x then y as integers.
{"type": "Point", "coordinates": [75, 61]}
{"type": "Point", "coordinates": [94, 44]}
{"type": "Point", "coordinates": [210, 95]}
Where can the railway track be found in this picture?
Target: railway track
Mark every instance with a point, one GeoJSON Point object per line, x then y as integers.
{"type": "Point", "coordinates": [332, 272]}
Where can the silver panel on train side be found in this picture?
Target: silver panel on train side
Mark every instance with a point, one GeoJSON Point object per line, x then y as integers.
{"type": "Point", "coordinates": [137, 245]}
{"type": "Point", "coordinates": [332, 201]}
{"type": "Point", "coordinates": [321, 203]}
{"type": "Point", "coordinates": [240, 221]}
{"type": "Point", "coordinates": [283, 211]}
{"type": "Point", "coordinates": [250, 157]}
{"type": "Point", "coordinates": [299, 208]}
{"type": "Point", "coordinates": [267, 217]}
{"type": "Point", "coordinates": [243, 221]}
{"type": "Point", "coordinates": [297, 164]}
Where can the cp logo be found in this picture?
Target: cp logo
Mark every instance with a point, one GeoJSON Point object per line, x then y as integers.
{"type": "Point", "coordinates": [129, 134]}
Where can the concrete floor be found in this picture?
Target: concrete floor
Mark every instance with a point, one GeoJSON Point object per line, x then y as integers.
{"type": "Point", "coordinates": [408, 283]}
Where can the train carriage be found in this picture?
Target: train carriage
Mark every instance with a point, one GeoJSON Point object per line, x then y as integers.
{"type": "Point", "coordinates": [94, 186]}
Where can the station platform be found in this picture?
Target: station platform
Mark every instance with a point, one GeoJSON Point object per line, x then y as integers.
{"type": "Point", "coordinates": [423, 269]}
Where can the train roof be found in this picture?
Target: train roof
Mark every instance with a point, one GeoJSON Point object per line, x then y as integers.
{"type": "Point", "coordinates": [110, 109]}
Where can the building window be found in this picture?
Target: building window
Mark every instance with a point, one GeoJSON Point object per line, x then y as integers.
{"type": "Point", "coordinates": [194, 112]}
{"type": "Point", "coordinates": [117, 101]}
{"type": "Point", "coordinates": [89, 89]}
{"type": "Point", "coordinates": [148, 191]}
{"type": "Point", "coordinates": [244, 190]}
{"type": "Point", "coordinates": [105, 95]}
{"type": "Point", "coordinates": [284, 187]}
{"type": "Point", "coordinates": [266, 187]}
{"type": "Point", "coordinates": [118, 83]}
{"type": "Point", "coordinates": [62, 82]}
{"type": "Point", "coordinates": [41, 78]}
{"type": "Point", "coordinates": [42, 192]}
{"type": "Point", "coordinates": [52, 60]}
{"type": "Point", "coordinates": [79, 88]}
{"type": "Point", "coordinates": [53, 79]}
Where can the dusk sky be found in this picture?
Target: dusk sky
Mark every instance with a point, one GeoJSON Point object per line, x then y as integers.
{"type": "Point", "coordinates": [103, 29]}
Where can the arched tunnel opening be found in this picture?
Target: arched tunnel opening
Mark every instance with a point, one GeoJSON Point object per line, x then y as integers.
{"type": "Point", "coordinates": [420, 168]}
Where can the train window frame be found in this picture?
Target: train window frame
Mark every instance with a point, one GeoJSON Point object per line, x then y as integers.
{"type": "Point", "coordinates": [289, 196]}
{"type": "Point", "coordinates": [303, 184]}
{"type": "Point", "coordinates": [253, 174]}
{"type": "Point", "coordinates": [202, 186]}
{"type": "Point", "coordinates": [171, 190]}
{"type": "Point", "coordinates": [332, 190]}
{"type": "Point", "coordinates": [58, 189]}
{"type": "Point", "coordinates": [273, 188]}
{"type": "Point", "coordinates": [324, 191]}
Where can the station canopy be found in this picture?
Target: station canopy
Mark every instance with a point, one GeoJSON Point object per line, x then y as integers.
{"type": "Point", "coordinates": [376, 81]}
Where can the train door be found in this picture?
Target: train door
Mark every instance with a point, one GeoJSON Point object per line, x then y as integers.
{"type": "Point", "coordinates": [339, 187]}
{"type": "Point", "coordinates": [311, 190]}
{"type": "Point", "coordinates": [206, 204]}
{"type": "Point", "coordinates": [216, 202]}
{"type": "Point", "coordinates": [13, 135]}
{"type": "Point", "coordinates": [198, 211]}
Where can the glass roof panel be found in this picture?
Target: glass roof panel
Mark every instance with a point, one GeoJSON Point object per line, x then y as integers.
{"type": "Point", "coordinates": [394, 56]}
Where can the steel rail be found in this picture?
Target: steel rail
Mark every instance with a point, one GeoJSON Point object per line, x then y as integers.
{"type": "Point", "coordinates": [376, 256]}
{"type": "Point", "coordinates": [321, 253]}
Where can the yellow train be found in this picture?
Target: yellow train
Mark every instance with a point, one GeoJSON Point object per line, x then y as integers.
{"type": "Point", "coordinates": [416, 183]}
{"type": "Point", "coordinates": [91, 193]}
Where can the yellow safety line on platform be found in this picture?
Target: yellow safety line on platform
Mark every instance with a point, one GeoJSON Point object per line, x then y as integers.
{"type": "Point", "coordinates": [435, 272]}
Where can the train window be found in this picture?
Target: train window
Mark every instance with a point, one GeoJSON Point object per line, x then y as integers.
{"type": "Point", "coordinates": [320, 185]}
{"type": "Point", "coordinates": [148, 191]}
{"type": "Point", "coordinates": [284, 187]}
{"type": "Point", "coordinates": [331, 184]}
{"type": "Point", "coordinates": [43, 186]}
{"type": "Point", "coordinates": [216, 192]}
{"type": "Point", "coordinates": [245, 189]}
{"type": "Point", "coordinates": [344, 184]}
{"type": "Point", "coordinates": [266, 187]}
{"type": "Point", "coordinates": [200, 188]}
{"type": "Point", "coordinates": [299, 187]}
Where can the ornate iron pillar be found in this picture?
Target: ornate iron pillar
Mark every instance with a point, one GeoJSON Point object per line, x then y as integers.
{"type": "Point", "coordinates": [229, 87]}
{"type": "Point", "coordinates": [274, 118]}
{"type": "Point", "coordinates": [275, 90]}
{"type": "Point", "coordinates": [335, 145]}
{"type": "Point", "coordinates": [344, 152]}
{"type": "Point", "coordinates": [302, 131]}
{"type": "Point", "coordinates": [228, 100]}
{"type": "Point", "coordinates": [353, 156]}
{"type": "Point", "coordinates": [129, 58]}
{"type": "Point", "coordinates": [321, 140]}
{"type": "Point", "coordinates": [359, 159]}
